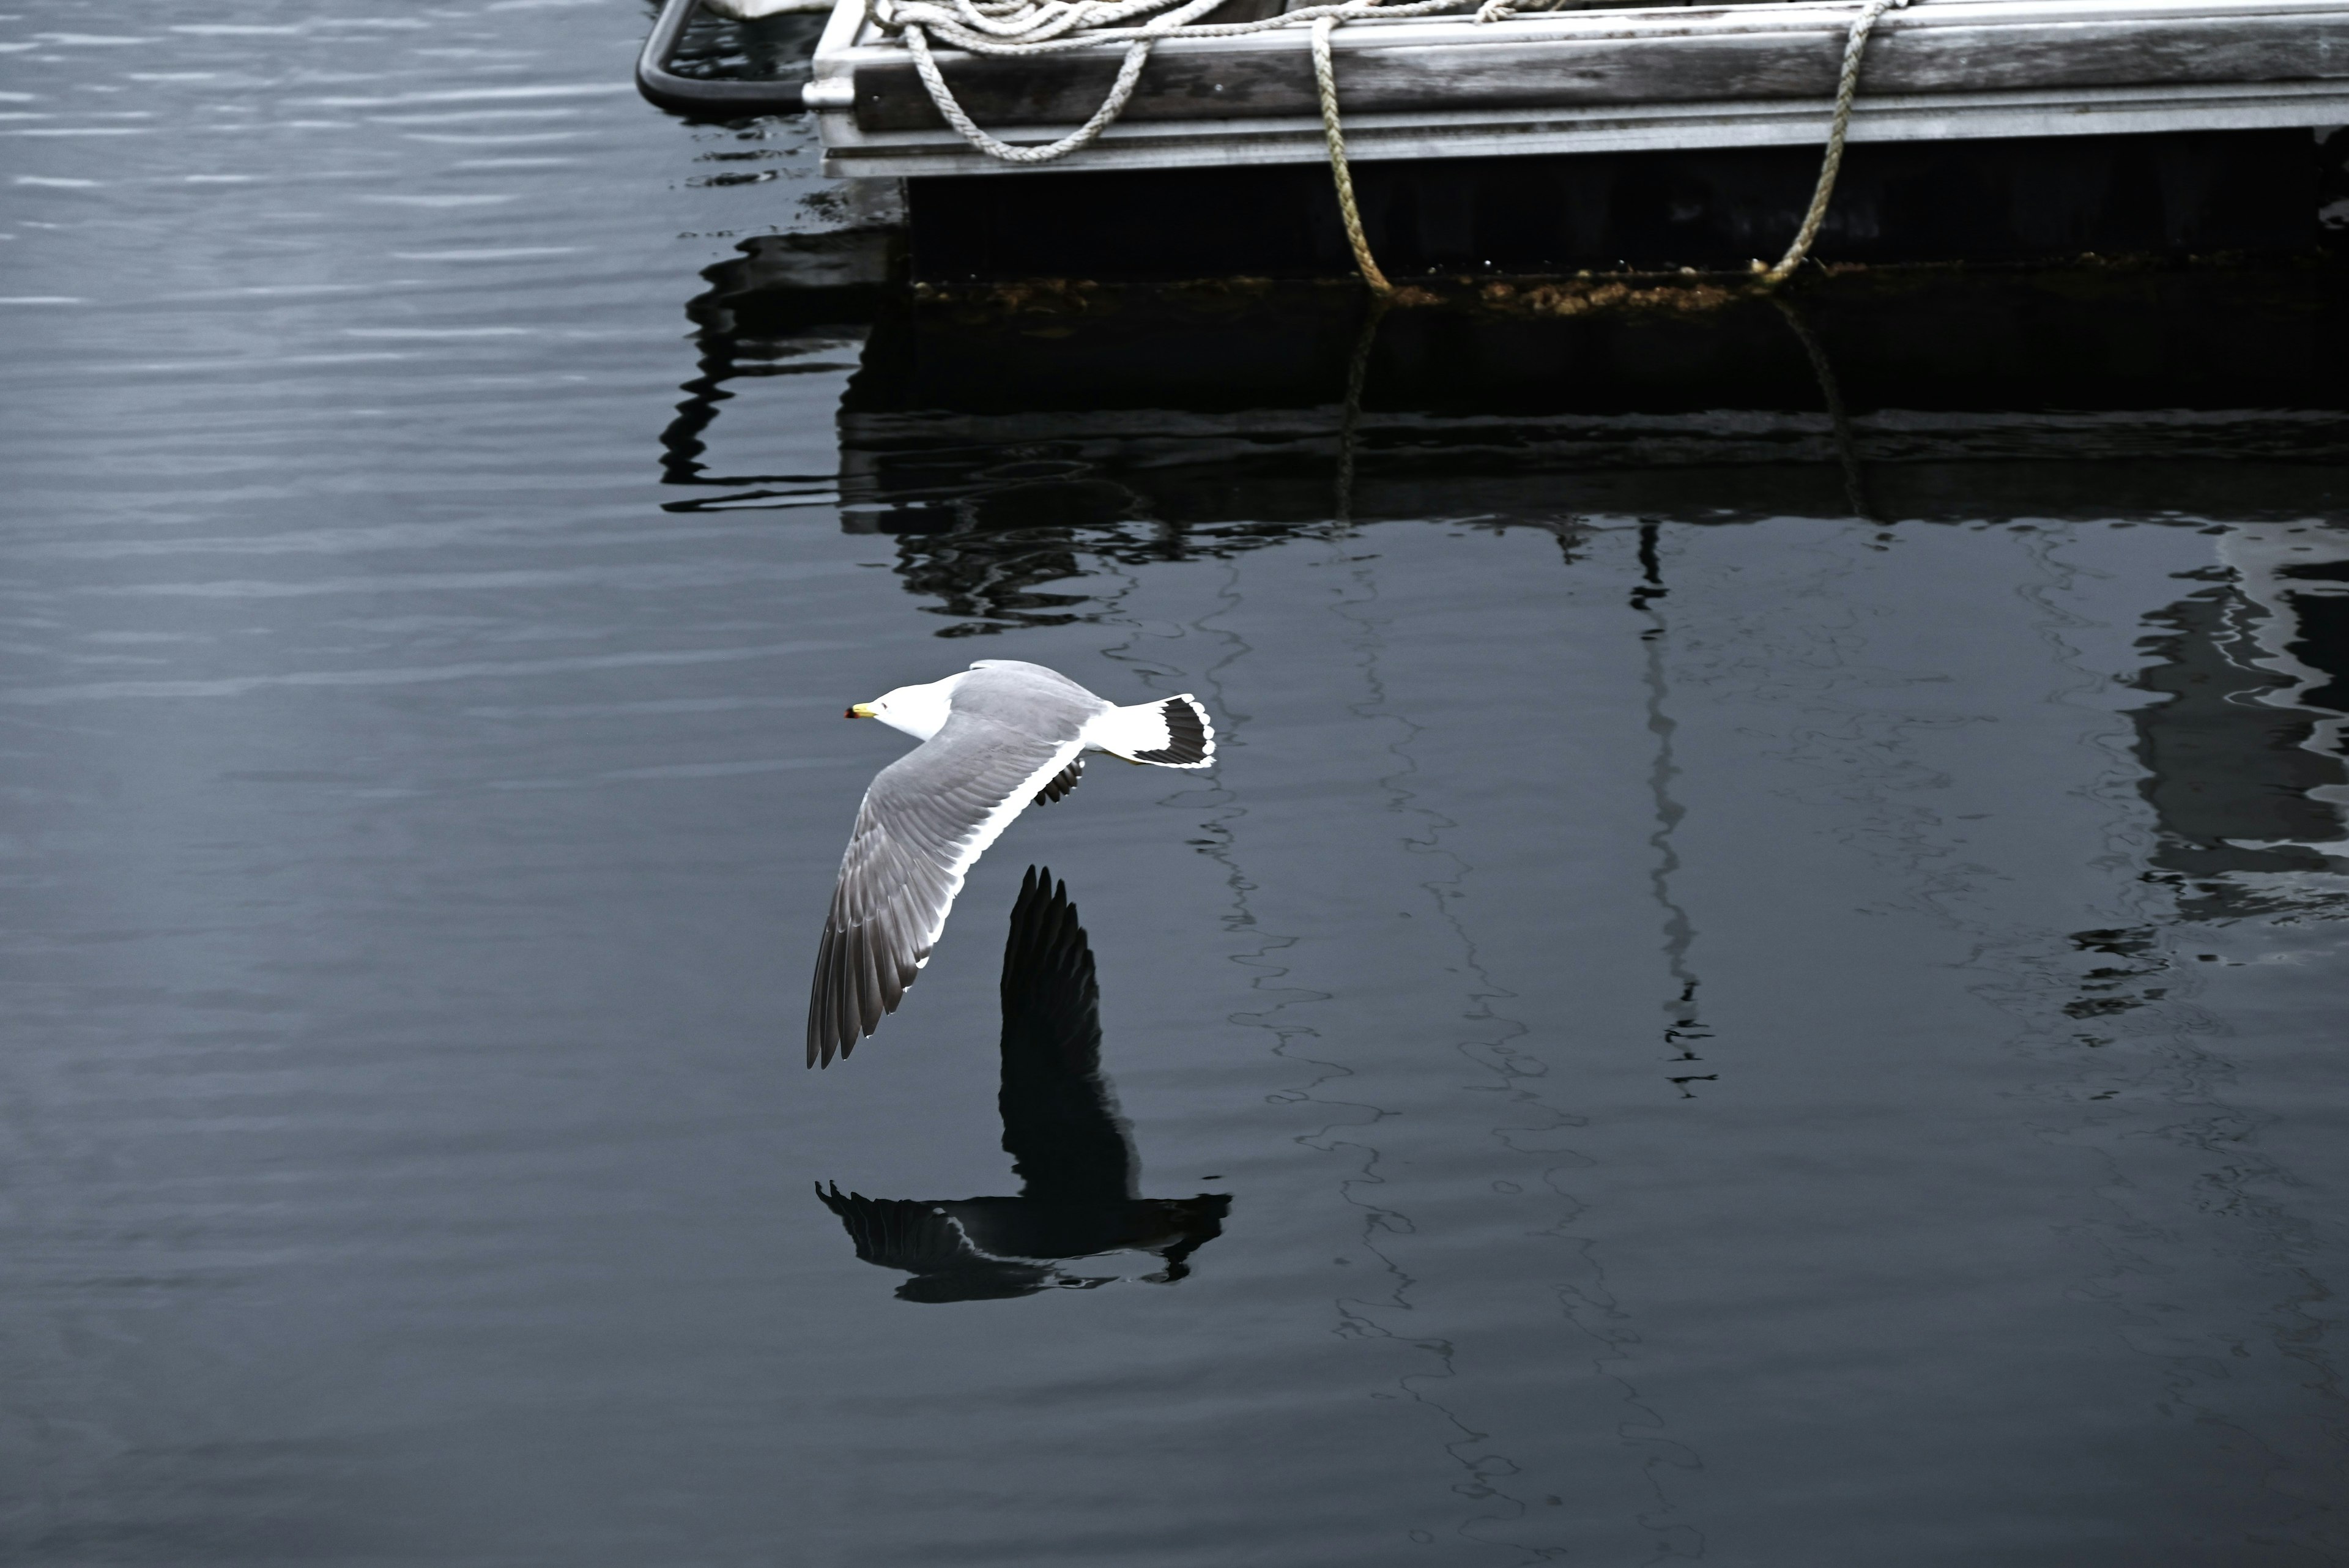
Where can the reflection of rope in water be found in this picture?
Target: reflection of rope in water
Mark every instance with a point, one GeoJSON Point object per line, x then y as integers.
{"type": "Point", "coordinates": [1587, 1304]}
{"type": "Point", "coordinates": [1269, 969]}
{"type": "Point", "coordinates": [1838, 423]}
{"type": "Point", "coordinates": [1687, 1028]}
{"type": "Point", "coordinates": [1480, 1467]}
{"type": "Point", "coordinates": [1358, 371]}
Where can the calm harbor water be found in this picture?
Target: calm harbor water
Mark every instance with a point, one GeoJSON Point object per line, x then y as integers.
{"type": "Point", "coordinates": [1759, 982]}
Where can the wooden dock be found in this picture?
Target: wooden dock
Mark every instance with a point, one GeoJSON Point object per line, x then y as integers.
{"type": "Point", "coordinates": [2049, 120]}
{"type": "Point", "coordinates": [1606, 80]}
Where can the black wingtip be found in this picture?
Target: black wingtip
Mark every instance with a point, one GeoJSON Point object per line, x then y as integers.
{"type": "Point", "coordinates": [1190, 736]}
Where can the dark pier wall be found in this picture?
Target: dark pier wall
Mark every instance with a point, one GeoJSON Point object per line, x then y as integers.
{"type": "Point", "coordinates": [2136, 339]}
{"type": "Point", "coordinates": [1715, 209]}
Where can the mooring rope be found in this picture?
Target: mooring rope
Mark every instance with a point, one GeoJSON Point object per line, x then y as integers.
{"type": "Point", "coordinates": [1048, 26]}
{"type": "Point", "coordinates": [1136, 55]}
{"type": "Point", "coordinates": [1847, 87]}
{"type": "Point", "coordinates": [1325, 79]}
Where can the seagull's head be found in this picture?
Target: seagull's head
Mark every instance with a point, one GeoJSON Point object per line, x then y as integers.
{"type": "Point", "coordinates": [919, 711]}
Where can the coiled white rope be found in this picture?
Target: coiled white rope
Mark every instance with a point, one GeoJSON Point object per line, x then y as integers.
{"type": "Point", "coordinates": [1018, 27]}
{"type": "Point", "coordinates": [1136, 55]}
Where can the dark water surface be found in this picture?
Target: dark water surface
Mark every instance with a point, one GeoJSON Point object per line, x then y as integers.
{"type": "Point", "coordinates": [1756, 985]}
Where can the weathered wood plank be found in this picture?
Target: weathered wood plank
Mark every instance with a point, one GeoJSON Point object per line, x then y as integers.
{"type": "Point", "coordinates": [1274, 77]}
{"type": "Point", "coordinates": [2058, 113]}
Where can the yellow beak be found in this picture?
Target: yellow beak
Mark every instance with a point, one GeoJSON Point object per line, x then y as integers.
{"type": "Point", "coordinates": [860, 711]}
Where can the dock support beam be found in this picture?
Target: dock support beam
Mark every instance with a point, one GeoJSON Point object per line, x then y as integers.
{"type": "Point", "coordinates": [1712, 209]}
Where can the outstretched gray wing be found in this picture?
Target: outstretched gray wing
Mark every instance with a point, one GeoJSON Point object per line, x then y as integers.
{"type": "Point", "coordinates": [926, 819]}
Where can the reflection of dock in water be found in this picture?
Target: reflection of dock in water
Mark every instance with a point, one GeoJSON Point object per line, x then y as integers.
{"type": "Point", "coordinates": [1162, 142]}
{"type": "Point", "coordinates": [2064, 394]}
{"type": "Point", "coordinates": [2243, 757]}
{"type": "Point", "coordinates": [1011, 440]}
{"type": "Point", "coordinates": [1080, 1195]}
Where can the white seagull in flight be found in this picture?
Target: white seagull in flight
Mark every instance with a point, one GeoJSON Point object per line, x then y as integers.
{"type": "Point", "coordinates": [994, 737]}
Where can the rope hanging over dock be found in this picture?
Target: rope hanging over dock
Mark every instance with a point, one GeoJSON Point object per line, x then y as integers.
{"type": "Point", "coordinates": [1847, 89]}
{"type": "Point", "coordinates": [1023, 28]}
{"type": "Point", "coordinates": [1325, 79]}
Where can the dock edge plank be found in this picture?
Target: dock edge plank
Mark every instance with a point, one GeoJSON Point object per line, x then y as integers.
{"type": "Point", "coordinates": [1609, 80]}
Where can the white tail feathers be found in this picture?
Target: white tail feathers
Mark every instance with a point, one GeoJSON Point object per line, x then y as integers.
{"type": "Point", "coordinates": [1172, 733]}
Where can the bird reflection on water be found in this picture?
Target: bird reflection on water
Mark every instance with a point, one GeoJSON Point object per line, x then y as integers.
{"type": "Point", "coordinates": [1075, 1154]}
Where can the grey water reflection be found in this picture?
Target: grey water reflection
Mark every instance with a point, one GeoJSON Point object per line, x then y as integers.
{"type": "Point", "coordinates": [1078, 1197]}
{"type": "Point", "coordinates": [2243, 758]}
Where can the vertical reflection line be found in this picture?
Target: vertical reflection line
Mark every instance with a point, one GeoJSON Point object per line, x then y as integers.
{"type": "Point", "coordinates": [1685, 1029]}
{"type": "Point", "coordinates": [1587, 1303]}
{"type": "Point", "coordinates": [1482, 1466]}
{"type": "Point", "coordinates": [1838, 422]}
{"type": "Point", "coordinates": [1675, 1539]}
{"type": "Point", "coordinates": [1357, 372]}
{"type": "Point", "coordinates": [1266, 962]}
